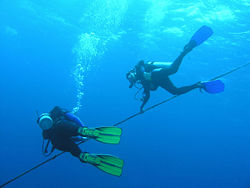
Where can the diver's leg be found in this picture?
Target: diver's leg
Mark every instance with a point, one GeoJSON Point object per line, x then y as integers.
{"type": "Point", "coordinates": [69, 129]}
{"type": "Point", "coordinates": [66, 144]}
{"type": "Point", "coordinates": [170, 87]}
{"type": "Point", "coordinates": [73, 148]}
{"type": "Point", "coordinates": [177, 62]}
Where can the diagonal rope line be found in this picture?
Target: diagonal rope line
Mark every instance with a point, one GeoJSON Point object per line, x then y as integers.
{"type": "Point", "coordinates": [119, 123]}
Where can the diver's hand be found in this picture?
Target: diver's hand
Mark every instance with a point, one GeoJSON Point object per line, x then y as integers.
{"type": "Point", "coordinates": [141, 111]}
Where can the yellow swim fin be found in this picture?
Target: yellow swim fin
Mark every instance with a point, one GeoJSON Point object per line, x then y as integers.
{"type": "Point", "coordinates": [107, 163]}
{"type": "Point", "coordinates": [108, 135]}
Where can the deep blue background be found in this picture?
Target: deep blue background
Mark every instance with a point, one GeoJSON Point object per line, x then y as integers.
{"type": "Point", "coordinates": [197, 140]}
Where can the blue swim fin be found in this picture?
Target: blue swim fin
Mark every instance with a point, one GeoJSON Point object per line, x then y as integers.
{"type": "Point", "coordinates": [216, 86]}
{"type": "Point", "coordinates": [202, 35]}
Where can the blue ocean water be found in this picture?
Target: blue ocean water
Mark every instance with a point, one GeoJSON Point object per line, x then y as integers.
{"type": "Point", "coordinates": [76, 54]}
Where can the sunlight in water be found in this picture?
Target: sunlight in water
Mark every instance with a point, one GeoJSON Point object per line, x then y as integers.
{"type": "Point", "coordinates": [104, 17]}
{"type": "Point", "coordinates": [103, 21]}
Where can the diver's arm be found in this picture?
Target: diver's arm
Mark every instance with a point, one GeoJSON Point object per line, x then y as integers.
{"type": "Point", "coordinates": [146, 96]}
{"type": "Point", "coordinates": [140, 69]}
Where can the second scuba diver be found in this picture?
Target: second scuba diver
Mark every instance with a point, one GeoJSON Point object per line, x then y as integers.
{"type": "Point", "coordinates": [63, 129]}
{"type": "Point", "coordinates": [152, 75]}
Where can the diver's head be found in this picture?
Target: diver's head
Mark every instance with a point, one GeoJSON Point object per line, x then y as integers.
{"type": "Point", "coordinates": [44, 121]}
{"type": "Point", "coordinates": [131, 76]}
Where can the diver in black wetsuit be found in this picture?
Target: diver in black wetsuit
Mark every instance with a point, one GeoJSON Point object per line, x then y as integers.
{"type": "Point", "coordinates": [151, 75]}
{"type": "Point", "coordinates": [63, 129]}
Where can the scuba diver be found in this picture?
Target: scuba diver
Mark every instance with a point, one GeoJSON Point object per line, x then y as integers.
{"type": "Point", "coordinates": [63, 129]}
{"type": "Point", "coordinates": [152, 75]}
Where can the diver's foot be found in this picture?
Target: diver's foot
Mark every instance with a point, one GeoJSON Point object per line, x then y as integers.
{"type": "Point", "coordinates": [89, 158]}
{"type": "Point", "coordinates": [189, 47]}
{"type": "Point", "coordinates": [200, 86]}
{"type": "Point", "coordinates": [86, 132]}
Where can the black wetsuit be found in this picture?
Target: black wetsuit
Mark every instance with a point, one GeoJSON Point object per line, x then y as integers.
{"type": "Point", "coordinates": [61, 135]}
{"type": "Point", "coordinates": [160, 77]}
